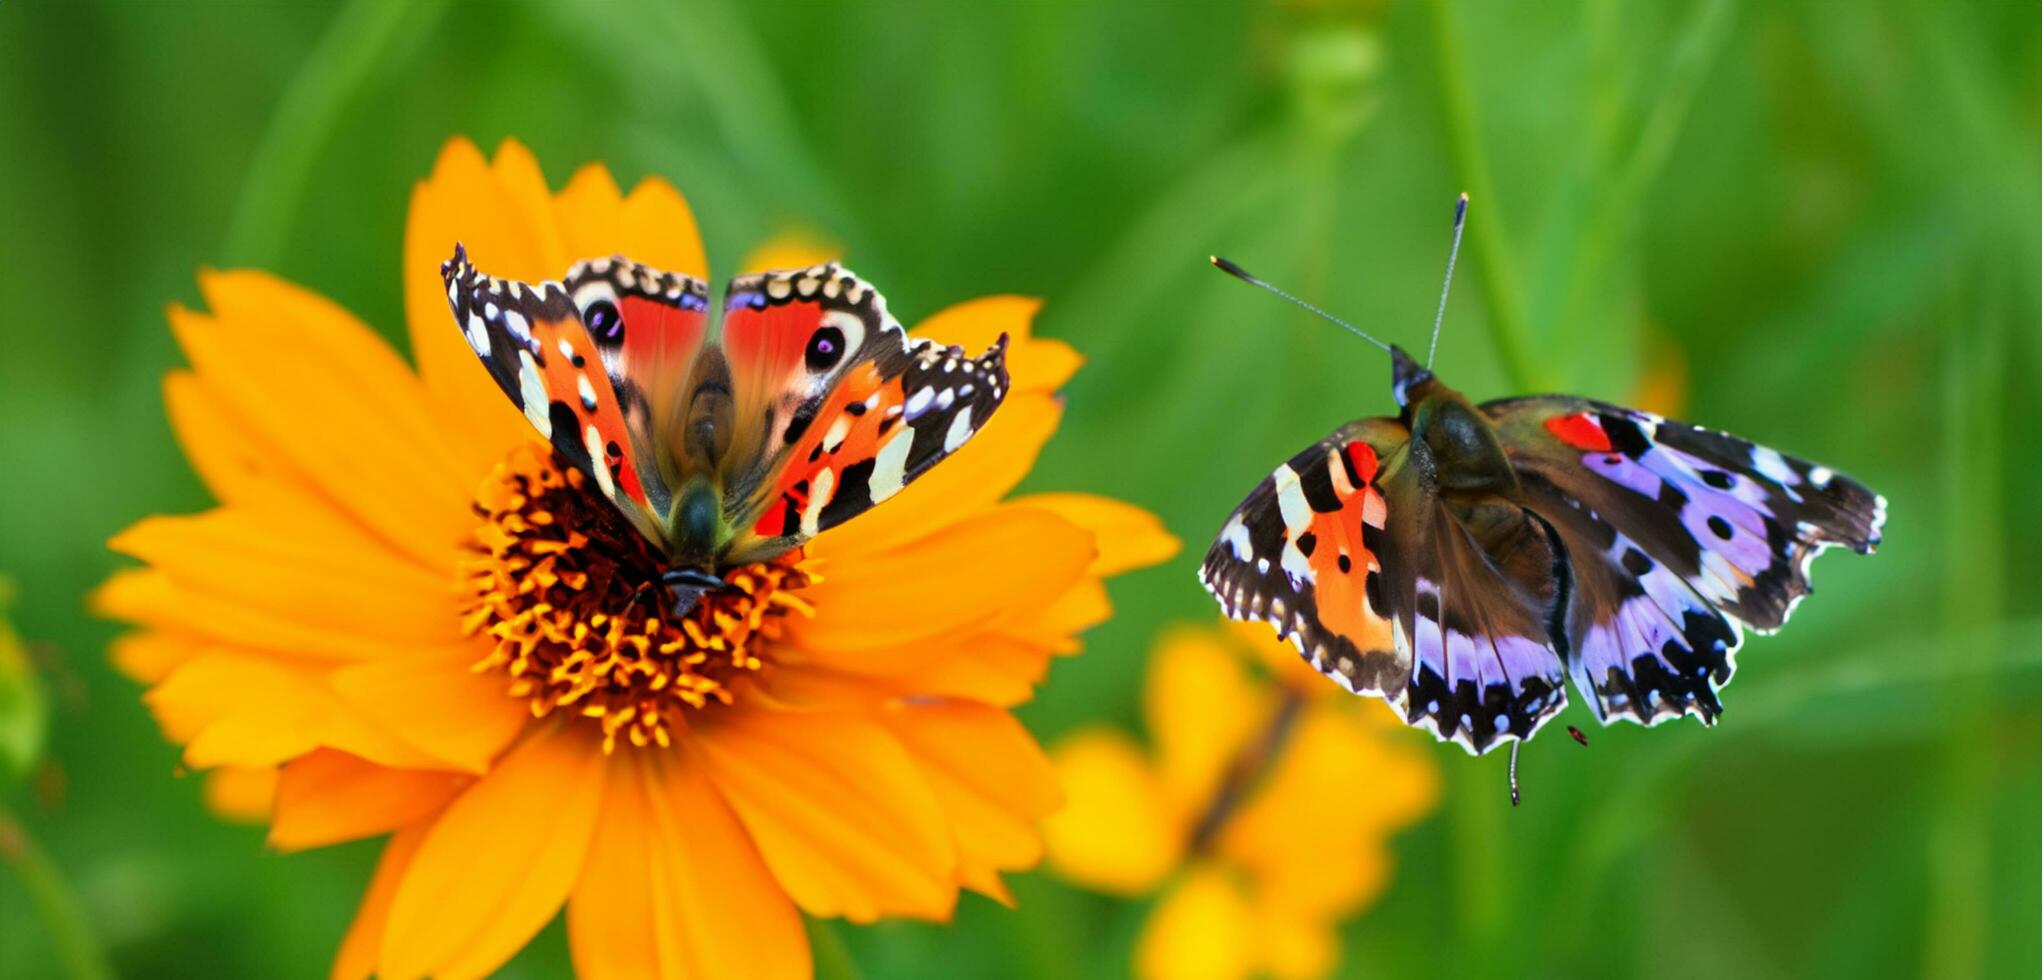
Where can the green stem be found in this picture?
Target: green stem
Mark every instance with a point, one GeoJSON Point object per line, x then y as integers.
{"type": "Point", "coordinates": [832, 958]}
{"type": "Point", "coordinates": [1509, 325]}
{"type": "Point", "coordinates": [1974, 567]}
{"type": "Point", "coordinates": [63, 916]}
{"type": "Point", "coordinates": [305, 118]}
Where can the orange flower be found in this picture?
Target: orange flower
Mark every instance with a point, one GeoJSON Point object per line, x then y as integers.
{"type": "Point", "coordinates": [332, 622]}
{"type": "Point", "coordinates": [1261, 811]}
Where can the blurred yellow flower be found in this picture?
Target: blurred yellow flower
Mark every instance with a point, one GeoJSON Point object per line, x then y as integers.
{"type": "Point", "coordinates": [306, 638]}
{"type": "Point", "coordinates": [1261, 809]}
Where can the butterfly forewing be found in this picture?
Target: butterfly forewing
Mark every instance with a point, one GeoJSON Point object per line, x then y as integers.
{"type": "Point", "coordinates": [836, 408]}
{"type": "Point", "coordinates": [562, 352]}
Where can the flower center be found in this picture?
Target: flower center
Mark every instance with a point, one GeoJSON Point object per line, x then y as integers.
{"type": "Point", "coordinates": [571, 596]}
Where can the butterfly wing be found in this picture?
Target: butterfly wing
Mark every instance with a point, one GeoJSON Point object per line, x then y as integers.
{"type": "Point", "coordinates": [1444, 610]}
{"type": "Point", "coordinates": [1675, 535]}
{"type": "Point", "coordinates": [834, 408]}
{"type": "Point", "coordinates": [589, 360]}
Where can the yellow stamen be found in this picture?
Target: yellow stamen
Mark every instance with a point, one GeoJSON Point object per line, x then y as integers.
{"type": "Point", "coordinates": [580, 620]}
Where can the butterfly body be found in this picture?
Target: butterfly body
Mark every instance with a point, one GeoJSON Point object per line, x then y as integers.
{"type": "Point", "coordinates": [734, 441]}
{"type": "Point", "coordinates": [1465, 562]}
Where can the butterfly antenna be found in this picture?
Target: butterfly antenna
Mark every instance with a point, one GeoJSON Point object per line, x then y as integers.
{"type": "Point", "coordinates": [1514, 797]}
{"type": "Point", "coordinates": [1460, 221]}
{"type": "Point", "coordinates": [1242, 274]}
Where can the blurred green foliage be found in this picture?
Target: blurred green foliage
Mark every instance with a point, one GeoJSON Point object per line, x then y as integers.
{"type": "Point", "coordinates": [1828, 215]}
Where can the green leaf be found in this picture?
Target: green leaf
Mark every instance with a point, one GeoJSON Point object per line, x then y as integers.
{"type": "Point", "coordinates": [24, 712]}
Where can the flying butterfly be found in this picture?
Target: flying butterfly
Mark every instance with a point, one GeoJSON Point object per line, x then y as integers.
{"type": "Point", "coordinates": [1465, 561]}
{"type": "Point", "coordinates": [804, 405]}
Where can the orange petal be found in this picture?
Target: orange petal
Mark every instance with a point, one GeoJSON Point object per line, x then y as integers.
{"type": "Point", "coordinates": [300, 563]}
{"type": "Point", "coordinates": [992, 780]}
{"type": "Point", "coordinates": [241, 709]}
{"type": "Point", "coordinates": [839, 810]}
{"type": "Point", "coordinates": [148, 656]}
{"type": "Point", "coordinates": [327, 797]}
{"type": "Point", "coordinates": [463, 201]}
{"type": "Point", "coordinates": [228, 456]}
{"type": "Point", "coordinates": [659, 230]}
{"type": "Point", "coordinates": [1054, 627]}
{"type": "Point", "coordinates": [979, 567]}
{"type": "Point", "coordinates": [523, 188]}
{"type": "Point", "coordinates": [590, 211]}
{"type": "Point", "coordinates": [970, 480]}
{"type": "Point", "coordinates": [499, 862]}
{"type": "Point", "coordinates": [241, 795]}
{"type": "Point", "coordinates": [1116, 832]}
{"type": "Point", "coordinates": [1129, 537]}
{"type": "Point", "coordinates": [1203, 710]}
{"type": "Point", "coordinates": [1200, 931]}
{"type": "Point", "coordinates": [990, 669]}
{"type": "Point", "coordinates": [795, 248]}
{"type": "Point", "coordinates": [149, 597]}
{"type": "Point", "coordinates": [336, 405]}
{"type": "Point", "coordinates": [673, 887]}
{"type": "Point", "coordinates": [436, 703]}
{"type": "Point", "coordinates": [364, 942]}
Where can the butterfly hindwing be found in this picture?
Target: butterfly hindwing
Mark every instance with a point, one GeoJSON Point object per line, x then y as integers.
{"type": "Point", "coordinates": [836, 409]}
{"type": "Point", "coordinates": [1675, 535]}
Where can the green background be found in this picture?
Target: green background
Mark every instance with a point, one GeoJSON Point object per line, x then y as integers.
{"type": "Point", "coordinates": [1830, 213]}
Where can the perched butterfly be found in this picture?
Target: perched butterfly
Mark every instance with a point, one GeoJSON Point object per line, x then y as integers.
{"type": "Point", "coordinates": [803, 407]}
{"type": "Point", "coordinates": [1463, 561]}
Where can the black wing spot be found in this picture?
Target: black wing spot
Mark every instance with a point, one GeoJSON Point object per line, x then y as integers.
{"type": "Point", "coordinates": [1719, 527]}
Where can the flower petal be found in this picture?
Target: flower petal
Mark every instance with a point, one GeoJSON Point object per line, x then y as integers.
{"type": "Point", "coordinates": [148, 597]}
{"type": "Point", "coordinates": [229, 458]}
{"type": "Point", "coordinates": [659, 230]}
{"type": "Point", "coordinates": [242, 709]}
{"type": "Point", "coordinates": [1201, 930]}
{"type": "Point", "coordinates": [673, 887]}
{"type": "Point", "coordinates": [1314, 835]}
{"type": "Point", "coordinates": [435, 702]}
{"type": "Point", "coordinates": [301, 564]}
{"type": "Point", "coordinates": [463, 201]}
{"type": "Point", "coordinates": [993, 782]}
{"type": "Point", "coordinates": [241, 795]}
{"type": "Point", "coordinates": [1116, 833]}
{"type": "Point", "coordinates": [327, 797]}
{"type": "Point", "coordinates": [336, 405]}
{"type": "Point", "coordinates": [499, 862]}
{"type": "Point", "coordinates": [838, 809]}
{"type": "Point", "coordinates": [364, 942]}
{"type": "Point", "coordinates": [795, 248]}
{"type": "Point", "coordinates": [1129, 537]}
{"type": "Point", "coordinates": [964, 578]}
{"type": "Point", "coordinates": [1203, 709]}
{"type": "Point", "coordinates": [150, 655]}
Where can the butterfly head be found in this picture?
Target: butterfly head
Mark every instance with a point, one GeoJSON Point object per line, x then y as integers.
{"type": "Point", "coordinates": [1408, 379]}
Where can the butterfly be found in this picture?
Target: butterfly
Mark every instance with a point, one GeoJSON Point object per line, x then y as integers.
{"type": "Point", "coordinates": [803, 406]}
{"type": "Point", "coordinates": [1466, 561]}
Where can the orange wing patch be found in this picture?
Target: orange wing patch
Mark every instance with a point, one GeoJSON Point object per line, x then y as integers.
{"type": "Point", "coordinates": [573, 389]}
{"type": "Point", "coordinates": [854, 449]}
